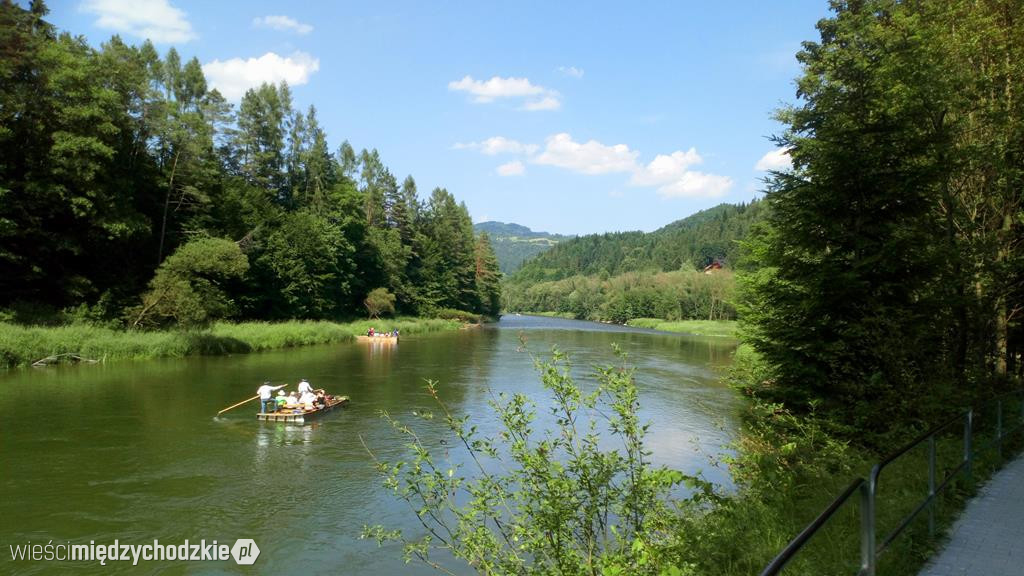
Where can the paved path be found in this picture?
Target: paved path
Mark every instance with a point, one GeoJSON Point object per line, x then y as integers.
{"type": "Point", "coordinates": [988, 538]}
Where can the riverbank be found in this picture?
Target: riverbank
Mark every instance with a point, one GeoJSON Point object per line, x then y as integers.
{"type": "Point", "coordinates": [725, 328]}
{"type": "Point", "coordinates": [23, 345]}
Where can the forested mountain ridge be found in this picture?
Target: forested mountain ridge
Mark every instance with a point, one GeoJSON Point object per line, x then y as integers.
{"type": "Point", "coordinates": [690, 243]}
{"type": "Point", "coordinates": [625, 275]}
{"type": "Point", "coordinates": [514, 244]}
{"type": "Point", "coordinates": [132, 193]}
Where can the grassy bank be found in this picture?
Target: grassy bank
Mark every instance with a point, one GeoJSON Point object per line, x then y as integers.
{"type": "Point", "coordinates": [699, 327]}
{"type": "Point", "coordinates": [22, 345]}
{"type": "Point", "coordinates": [566, 315]}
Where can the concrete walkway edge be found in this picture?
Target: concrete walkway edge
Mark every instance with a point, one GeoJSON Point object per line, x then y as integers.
{"type": "Point", "coordinates": [988, 537]}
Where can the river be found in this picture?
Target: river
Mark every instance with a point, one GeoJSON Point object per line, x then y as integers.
{"type": "Point", "coordinates": [132, 451]}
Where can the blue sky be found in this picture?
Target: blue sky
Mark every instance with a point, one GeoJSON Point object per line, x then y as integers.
{"type": "Point", "coordinates": [568, 117]}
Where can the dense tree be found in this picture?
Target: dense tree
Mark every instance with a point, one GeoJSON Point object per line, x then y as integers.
{"type": "Point", "coordinates": [488, 276]}
{"type": "Point", "coordinates": [887, 272]}
{"type": "Point", "coordinates": [379, 301]}
{"type": "Point", "coordinates": [118, 151]}
{"type": "Point", "coordinates": [191, 287]}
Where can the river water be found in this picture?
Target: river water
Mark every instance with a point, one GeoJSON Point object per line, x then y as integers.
{"type": "Point", "coordinates": [132, 451]}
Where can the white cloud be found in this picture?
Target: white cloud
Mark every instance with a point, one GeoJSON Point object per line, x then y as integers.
{"type": "Point", "coordinates": [674, 179]}
{"type": "Point", "coordinates": [777, 159]}
{"type": "Point", "coordinates": [665, 169]}
{"type": "Point", "coordinates": [498, 145]}
{"type": "Point", "coordinates": [496, 87]}
{"type": "Point", "coordinates": [697, 185]}
{"type": "Point", "coordinates": [284, 23]}
{"type": "Point", "coordinates": [545, 103]}
{"type": "Point", "coordinates": [537, 97]}
{"type": "Point", "coordinates": [156, 20]}
{"type": "Point", "coordinates": [590, 157]}
{"type": "Point", "coordinates": [513, 168]}
{"type": "Point", "coordinates": [233, 77]}
{"type": "Point", "coordinates": [571, 71]}
{"type": "Point", "coordinates": [671, 173]}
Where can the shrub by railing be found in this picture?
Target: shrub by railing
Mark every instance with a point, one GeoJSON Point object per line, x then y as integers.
{"type": "Point", "coordinates": [871, 549]}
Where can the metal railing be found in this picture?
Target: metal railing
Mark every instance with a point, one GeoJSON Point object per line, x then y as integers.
{"type": "Point", "coordinates": [870, 548]}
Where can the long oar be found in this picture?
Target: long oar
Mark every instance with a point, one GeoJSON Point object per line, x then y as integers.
{"type": "Point", "coordinates": [248, 400]}
{"type": "Point", "coordinates": [237, 405]}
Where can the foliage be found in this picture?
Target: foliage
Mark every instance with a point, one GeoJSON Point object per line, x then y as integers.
{"type": "Point", "coordinates": [189, 286]}
{"type": "Point", "coordinates": [555, 502]}
{"type": "Point", "coordinates": [869, 287]}
{"type": "Point", "coordinates": [380, 301]}
{"type": "Point", "coordinates": [487, 278]}
{"type": "Point", "coordinates": [688, 244]}
{"type": "Point", "coordinates": [673, 296]}
{"type": "Point", "coordinates": [117, 150]}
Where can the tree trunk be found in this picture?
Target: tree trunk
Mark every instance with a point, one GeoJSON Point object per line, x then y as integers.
{"type": "Point", "coordinates": [167, 207]}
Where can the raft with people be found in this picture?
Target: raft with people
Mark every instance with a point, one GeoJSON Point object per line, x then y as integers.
{"type": "Point", "coordinates": [298, 406]}
{"type": "Point", "coordinates": [389, 336]}
{"type": "Point", "coordinates": [300, 414]}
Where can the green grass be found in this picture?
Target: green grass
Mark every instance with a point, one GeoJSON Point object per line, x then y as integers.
{"type": "Point", "coordinates": [566, 315]}
{"type": "Point", "coordinates": [700, 327]}
{"type": "Point", "coordinates": [22, 345]}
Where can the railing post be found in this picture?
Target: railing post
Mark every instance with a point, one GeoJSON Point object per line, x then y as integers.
{"type": "Point", "coordinates": [867, 525]}
{"type": "Point", "coordinates": [999, 430]}
{"type": "Point", "coordinates": [931, 486]}
{"type": "Point", "coordinates": [968, 452]}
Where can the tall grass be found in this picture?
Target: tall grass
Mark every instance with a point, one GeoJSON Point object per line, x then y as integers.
{"type": "Point", "coordinates": [23, 345]}
{"type": "Point", "coordinates": [699, 327]}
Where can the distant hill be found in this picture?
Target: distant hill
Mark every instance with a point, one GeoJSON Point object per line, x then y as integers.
{"type": "Point", "coordinates": [514, 244]}
{"type": "Point", "coordinates": [691, 243]}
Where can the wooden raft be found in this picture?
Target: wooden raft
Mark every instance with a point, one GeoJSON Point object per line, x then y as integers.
{"type": "Point", "coordinates": [375, 339]}
{"type": "Point", "coordinates": [298, 415]}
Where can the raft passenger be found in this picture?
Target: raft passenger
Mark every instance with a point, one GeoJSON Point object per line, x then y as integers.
{"type": "Point", "coordinates": [266, 396]}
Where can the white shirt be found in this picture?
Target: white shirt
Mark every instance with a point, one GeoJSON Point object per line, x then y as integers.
{"type": "Point", "coordinates": [265, 391]}
{"type": "Point", "coordinates": [308, 398]}
{"type": "Point", "coordinates": [304, 387]}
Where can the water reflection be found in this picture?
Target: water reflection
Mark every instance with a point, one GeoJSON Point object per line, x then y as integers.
{"type": "Point", "coordinates": [134, 451]}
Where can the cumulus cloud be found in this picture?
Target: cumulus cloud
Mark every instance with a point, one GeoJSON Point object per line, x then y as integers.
{"type": "Point", "coordinates": [671, 174]}
{"type": "Point", "coordinates": [664, 169]}
{"type": "Point", "coordinates": [513, 168]}
{"type": "Point", "coordinates": [535, 97]}
{"type": "Point", "coordinates": [498, 145]}
{"type": "Point", "coordinates": [156, 20]}
{"type": "Point", "coordinates": [283, 23]}
{"type": "Point", "coordinates": [545, 103]}
{"type": "Point", "coordinates": [694, 184]}
{"type": "Point", "coordinates": [233, 77]}
{"type": "Point", "coordinates": [777, 159]}
{"type": "Point", "coordinates": [571, 71]}
{"type": "Point", "coordinates": [590, 157]}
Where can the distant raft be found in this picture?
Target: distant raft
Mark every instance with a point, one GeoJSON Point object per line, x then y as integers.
{"type": "Point", "coordinates": [378, 338]}
{"type": "Point", "coordinates": [300, 415]}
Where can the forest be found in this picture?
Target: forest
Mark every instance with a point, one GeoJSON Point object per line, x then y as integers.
{"type": "Point", "coordinates": [621, 276]}
{"type": "Point", "coordinates": [132, 194]}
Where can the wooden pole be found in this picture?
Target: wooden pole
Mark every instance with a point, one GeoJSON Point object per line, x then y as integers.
{"type": "Point", "coordinates": [248, 400]}
{"type": "Point", "coordinates": [237, 405]}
